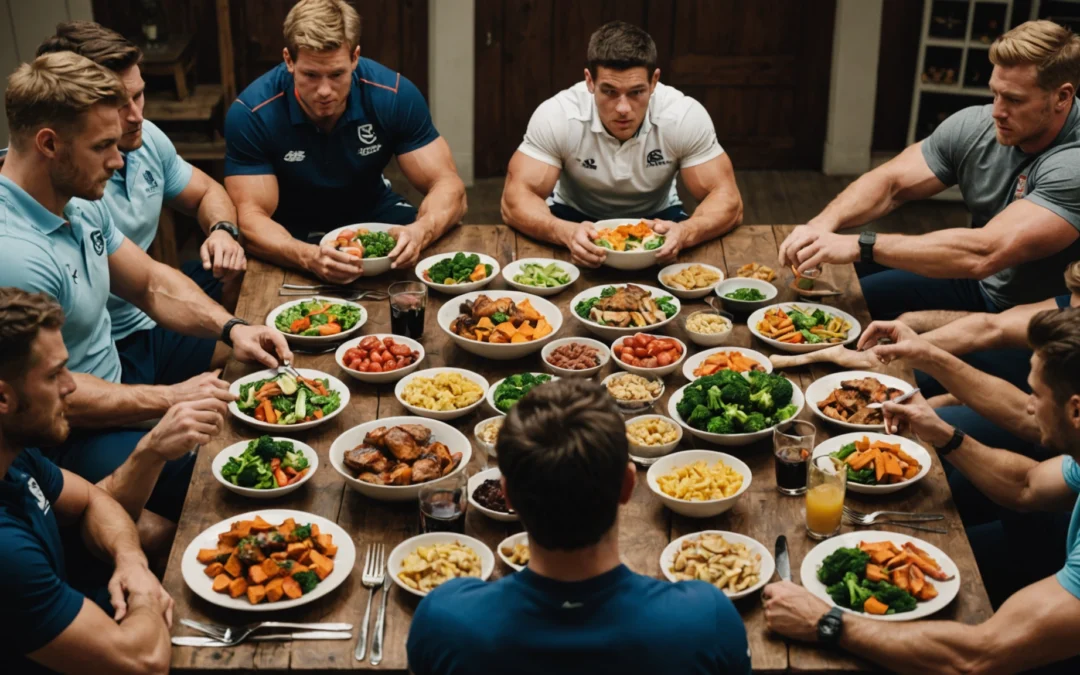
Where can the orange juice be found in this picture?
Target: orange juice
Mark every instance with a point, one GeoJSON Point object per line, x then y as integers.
{"type": "Point", "coordinates": [824, 509]}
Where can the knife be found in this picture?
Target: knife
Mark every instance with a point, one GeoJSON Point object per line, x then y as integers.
{"type": "Point", "coordinates": [197, 641]}
{"type": "Point", "coordinates": [783, 562]}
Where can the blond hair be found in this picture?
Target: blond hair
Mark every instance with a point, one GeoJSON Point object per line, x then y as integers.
{"type": "Point", "coordinates": [321, 25]}
{"type": "Point", "coordinates": [1072, 277]}
{"type": "Point", "coordinates": [1053, 49]}
{"type": "Point", "coordinates": [55, 90]}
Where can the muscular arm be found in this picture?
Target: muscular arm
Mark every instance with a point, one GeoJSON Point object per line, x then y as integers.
{"type": "Point", "coordinates": [529, 182]}
{"type": "Point", "coordinates": [979, 331]}
{"type": "Point", "coordinates": [431, 170]}
{"type": "Point", "coordinates": [98, 404]}
{"type": "Point", "coordinates": [105, 527]}
{"type": "Point", "coordinates": [720, 206]}
{"type": "Point", "coordinates": [256, 197]}
{"type": "Point", "coordinates": [205, 199]}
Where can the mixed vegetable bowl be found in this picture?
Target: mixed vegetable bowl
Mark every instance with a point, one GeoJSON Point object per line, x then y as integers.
{"type": "Point", "coordinates": [285, 400]}
{"type": "Point", "coordinates": [318, 318]}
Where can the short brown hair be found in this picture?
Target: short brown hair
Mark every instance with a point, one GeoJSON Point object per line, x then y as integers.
{"type": "Point", "coordinates": [1072, 277]}
{"type": "Point", "coordinates": [321, 25]}
{"type": "Point", "coordinates": [55, 90]}
{"type": "Point", "coordinates": [621, 46]}
{"type": "Point", "coordinates": [101, 45]}
{"type": "Point", "coordinates": [1055, 337]}
{"type": "Point", "coordinates": [1053, 49]}
{"type": "Point", "coordinates": [563, 452]}
{"type": "Point", "coordinates": [22, 316]}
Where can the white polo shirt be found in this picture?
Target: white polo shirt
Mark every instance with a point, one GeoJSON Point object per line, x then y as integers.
{"type": "Point", "coordinates": [604, 178]}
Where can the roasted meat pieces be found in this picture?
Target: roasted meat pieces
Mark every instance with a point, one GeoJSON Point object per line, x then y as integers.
{"type": "Point", "coordinates": [401, 455]}
{"type": "Point", "coordinates": [848, 403]}
{"type": "Point", "coordinates": [629, 306]}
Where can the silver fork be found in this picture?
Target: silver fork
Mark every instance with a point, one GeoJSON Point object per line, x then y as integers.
{"type": "Point", "coordinates": [380, 624]}
{"type": "Point", "coordinates": [287, 367]}
{"type": "Point", "coordinates": [374, 570]}
{"type": "Point", "coordinates": [234, 635]}
{"type": "Point", "coordinates": [912, 526]}
{"type": "Point", "coordinates": [345, 294]}
{"type": "Point", "coordinates": [871, 518]}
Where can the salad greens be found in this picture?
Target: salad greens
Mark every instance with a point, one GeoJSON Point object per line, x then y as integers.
{"type": "Point", "coordinates": [377, 244]}
{"type": "Point", "coordinates": [318, 317]}
{"type": "Point", "coordinates": [266, 464]}
{"type": "Point", "coordinates": [458, 270]}
{"type": "Point", "coordinates": [284, 400]}
{"type": "Point", "coordinates": [547, 276]}
{"type": "Point", "coordinates": [731, 403]}
{"type": "Point", "coordinates": [513, 388]}
{"type": "Point", "coordinates": [746, 294]}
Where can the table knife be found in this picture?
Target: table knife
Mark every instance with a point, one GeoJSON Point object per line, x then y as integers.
{"type": "Point", "coordinates": [197, 641]}
{"type": "Point", "coordinates": [783, 562]}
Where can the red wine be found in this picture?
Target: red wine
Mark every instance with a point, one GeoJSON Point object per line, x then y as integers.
{"type": "Point", "coordinates": [791, 470]}
{"type": "Point", "coordinates": [407, 315]}
{"type": "Point", "coordinates": [443, 512]}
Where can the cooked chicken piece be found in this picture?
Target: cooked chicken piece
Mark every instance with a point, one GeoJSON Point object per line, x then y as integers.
{"type": "Point", "coordinates": [620, 319]}
{"type": "Point", "coordinates": [485, 306]}
{"type": "Point", "coordinates": [372, 478]}
{"type": "Point", "coordinates": [375, 437]}
{"type": "Point", "coordinates": [866, 416]}
{"type": "Point", "coordinates": [831, 411]}
{"type": "Point", "coordinates": [638, 320]}
{"type": "Point", "coordinates": [442, 452]}
{"type": "Point", "coordinates": [364, 458]}
{"type": "Point", "coordinates": [418, 431]}
{"type": "Point", "coordinates": [401, 444]}
{"type": "Point", "coordinates": [401, 475]}
{"type": "Point", "coordinates": [866, 386]}
{"type": "Point", "coordinates": [426, 468]}
{"type": "Point", "coordinates": [827, 401]}
{"type": "Point", "coordinates": [893, 393]}
{"type": "Point", "coordinates": [850, 399]}
{"type": "Point", "coordinates": [455, 459]}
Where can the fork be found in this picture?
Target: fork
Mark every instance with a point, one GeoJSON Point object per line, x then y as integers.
{"type": "Point", "coordinates": [374, 571]}
{"type": "Point", "coordinates": [234, 635]}
{"type": "Point", "coordinates": [345, 293]}
{"type": "Point", "coordinates": [900, 523]}
{"type": "Point", "coordinates": [287, 367]}
{"type": "Point", "coordinates": [318, 287]}
{"type": "Point", "coordinates": [898, 399]}
{"type": "Point", "coordinates": [871, 518]}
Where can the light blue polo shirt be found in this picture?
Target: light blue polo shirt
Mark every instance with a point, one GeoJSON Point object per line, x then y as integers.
{"type": "Point", "coordinates": [152, 175]}
{"type": "Point", "coordinates": [1069, 576]}
{"type": "Point", "coordinates": [68, 258]}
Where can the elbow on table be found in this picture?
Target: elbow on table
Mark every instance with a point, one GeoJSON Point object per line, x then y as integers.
{"type": "Point", "coordinates": [142, 661]}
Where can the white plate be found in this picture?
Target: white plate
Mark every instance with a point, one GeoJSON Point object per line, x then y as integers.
{"type": "Point", "coordinates": [457, 289]}
{"type": "Point", "coordinates": [474, 482]}
{"type": "Point", "coordinates": [701, 509]}
{"type": "Point", "coordinates": [947, 590]}
{"type": "Point", "coordinates": [372, 266]}
{"type": "Point", "coordinates": [768, 564]}
{"type": "Point", "coordinates": [511, 541]}
{"type": "Point", "coordinates": [316, 340]}
{"type": "Point", "coordinates": [611, 332]}
{"type": "Point", "coordinates": [652, 451]}
{"type": "Point", "coordinates": [202, 585]}
{"type": "Point", "coordinates": [453, 439]}
{"type": "Point", "coordinates": [501, 352]}
{"type": "Point", "coordinates": [659, 371]}
{"type": "Point", "coordinates": [236, 449]}
{"type": "Point", "coordinates": [820, 389]}
{"type": "Point", "coordinates": [335, 385]}
{"type": "Point", "coordinates": [626, 260]}
{"type": "Point", "coordinates": [489, 448]}
{"type": "Point", "coordinates": [379, 378]}
{"type": "Point", "coordinates": [398, 555]}
{"type": "Point", "coordinates": [909, 446]}
{"type": "Point", "coordinates": [490, 396]}
{"type": "Point", "coordinates": [602, 352]}
{"type": "Point", "coordinates": [444, 415]}
{"type": "Point", "coordinates": [735, 283]}
{"type": "Point", "coordinates": [757, 316]}
{"type": "Point", "coordinates": [695, 361]}
{"type": "Point", "coordinates": [514, 268]}
{"type": "Point", "coordinates": [733, 440]}
{"type": "Point", "coordinates": [695, 294]}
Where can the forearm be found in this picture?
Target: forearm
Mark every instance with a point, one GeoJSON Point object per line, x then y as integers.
{"type": "Point", "coordinates": [133, 481]}
{"type": "Point", "coordinates": [946, 254]}
{"type": "Point", "coordinates": [266, 239]}
{"type": "Point", "coordinates": [442, 208]}
{"type": "Point", "coordinates": [176, 302]}
{"type": "Point", "coordinates": [97, 404]}
{"type": "Point", "coordinates": [215, 207]}
{"type": "Point", "coordinates": [109, 531]}
{"type": "Point", "coordinates": [1001, 475]}
{"type": "Point", "coordinates": [973, 332]}
{"type": "Point", "coordinates": [717, 214]}
{"type": "Point", "coordinates": [918, 647]}
{"type": "Point", "coordinates": [528, 213]}
{"type": "Point", "coordinates": [146, 642]}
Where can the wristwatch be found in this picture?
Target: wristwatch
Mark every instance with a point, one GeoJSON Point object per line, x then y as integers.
{"type": "Point", "coordinates": [229, 325]}
{"type": "Point", "coordinates": [866, 247]}
{"type": "Point", "coordinates": [958, 437]}
{"type": "Point", "coordinates": [231, 228]}
{"type": "Point", "coordinates": [830, 626]}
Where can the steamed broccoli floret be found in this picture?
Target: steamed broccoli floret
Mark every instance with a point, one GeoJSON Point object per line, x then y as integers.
{"type": "Point", "coordinates": [267, 448]}
{"type": "Point", "coordinates": [736, 393]}
{"type": "Point", "coordinates": [896, 598]}
{"type": "Point", "coordinates": [699, 418]}
{"type": "Point", "coordinates": [840, 562]}
{"type": "Point", "coordinates": [785, 412]}
{"type": "Point", "coordinates": [302, 532]}
{"type": "Point", "coordinates": [295, 460]}
{"type": "Point", "coordinates": [857, 593]}
{"type": "Point", "coordinates": [758, 379]}
{"type": "Point", "coordinates": [763, 401]}
{"type": "Point", "coordinates": [307, 580]}
{"type": "Point", "coordinates": [735, 414]}
{"type": "Point", "coordinates": [719, 379]}
{"type": "Point", "coordinates": [254, 476]}
{"type": "Point", "coordinates": [692, 398]}
{"type": "Point", "coordinates": [754, 422]}
{"type": "Point", "coordinates": [721, 424]}
{"type": "Point", "coordinates": [839, 593]}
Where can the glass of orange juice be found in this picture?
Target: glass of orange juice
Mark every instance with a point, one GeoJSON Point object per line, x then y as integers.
{"type": "Point", "coordinates": [826, 483]}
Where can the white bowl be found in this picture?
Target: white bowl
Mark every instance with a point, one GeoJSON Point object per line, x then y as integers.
{"type": "Point", "coordinates": [316, 340]}
{"type": "Point", "coordinates": [703, 509]}
{"type": "Point", "coordinates": [474, 482]}
{"type": "Point", "coordinates": [335, 385]}
{"type": "Point", "coordinates": [602, 352]}
{"type": "Point", "coordinates": [236, 449]}
{"type": "Point", "coordinates": [490, 396]}
{"type": "Point", "coordinates": [511, 541]}
{"type": "Point", "coordinates": [909, 446]}
{"type": "Point", "coordinates": [457, 289]}
{"type": "Point", "coordinates": [695, 361]}
{"type": "Point", "coordinates": [650, 452]}
{"type": "Point", "coordinates": [402, 550]}
{"type": "Point", "coordinates": [768, 564]}
{"type": "Point", "coordinates": [735, 440]}
{"type": "Point", "coordinates": [659, 371]}
{"type": "Point", "coordinates": [501, 352]}
{"type": "Point", "coordinates": [730, 285]}
{"type": "Point", "coordinates": [853, 334]}
{"type": "Point", "coordinates": [634, 406]}
{"type": "Point", "coordinates": [201, 585]}
{"type": "Point", "coordinates": [372, 266]}
{"type": "Point", "coordinates": [453, 439]}
{"type": "Point", "coordinates": [441, 414]}
{"type": "Point", "coordinates": [379, 378]}
{"type": "Point", "coordinates": [489, 448]}
{"type": "Point", "coordinates": [820, 389]}
{"type": "Point", "coordinates": [514, 268]}
{"type": "Point", "coordinates": [695, 294]}
{"type": "Point", "coordinates": [612, 332]}
{"type": "Point", "coordinates": [625, 260]}
{"type": "Point", "coordinates": [709, 339]}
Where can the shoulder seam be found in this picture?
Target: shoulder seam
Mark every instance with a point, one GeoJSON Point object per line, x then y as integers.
{"type": "Point", "coordinates": [272, 98]}
{"type": "Point", "coordinates": [397, 84]}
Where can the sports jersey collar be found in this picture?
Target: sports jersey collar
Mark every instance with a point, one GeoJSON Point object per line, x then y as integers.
{"type": "Point", "coordinates": [41, 218]}
{"type": "Point", "coordinates": [354, 109]}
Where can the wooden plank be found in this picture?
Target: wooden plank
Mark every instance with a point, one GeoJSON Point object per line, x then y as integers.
{"type": "Point", "coordinates": [732, 71]}
{"type": "Point", "coordinates": [490, 110]}
{"type": "Point", "coordinates": [199, 107]}
{"type": "Point", "coordinates": [225, 52]}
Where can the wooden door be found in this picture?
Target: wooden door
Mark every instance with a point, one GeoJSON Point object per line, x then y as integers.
{"type": "Point", "coordinates": [760, 67]}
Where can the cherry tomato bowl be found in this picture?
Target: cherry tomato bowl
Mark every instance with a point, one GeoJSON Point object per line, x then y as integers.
{"type": "Point", "coordinates": [379, 357]}
{"type": "Point", "coordinates": [648, 355]}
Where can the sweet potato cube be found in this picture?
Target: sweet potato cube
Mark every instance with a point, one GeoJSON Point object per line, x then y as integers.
{"type": "Point", "coordinates": [911, 471]}
{"type": "Point", "coordinates": [279, 555]}
{"type": "Point", "coordinates": [918, 580]}
{"type": "Point", "coordinates": [879, 468]}
{"type": "Point", "coordinates": [498, 338]}
{"type": "Point", "coordinates": [274, 590]}
{"type": "Point", "coordinates": [875, 573]}
{"type": "Point", "coordinates": [243, 528]}
{"type": "Point", "coordinates": [892, 465]}
{"type": "Point", "coordinates": [928, 592]}
{"type": "Point", "coordinates": [324, 543]}
{"type": "Point", "coordinates": [322, 565]}
{"type": "Point", "coordinates": [256, 594]}
{"type": "Point", "coordinates": [237, 587]}
{"type": "Point", "coordinates": [875, 606]}
{"type": "Point", "coordinates": [260, 525]}
{"type": "Point", "coordinates": [228, 538]}
{"type": "Point", "coordinates": [305, 557]}
{"type": "Point", "coordinates": [527, 330]}
{"type": "Point", "coordinates": [485, 323]}
{"type": "Point", "coordinates": [295, 550]}
{"type": "Point", "coordinates": [863, 445]}
{"type": "Point", "coordinates": [287, 527]}
{"type": "Point", "coordinates": [518, 338]}
{"type": "Point", "coordinates": [292, 588]}
{"type": "Point", "coordinates": [315, 530]}
{"type": "Point", "coordinates": [207, 555]}
{"type": "Point", "coordinates": [528, 311]}
{"type": "Point", "coordinates": [542, 328]}
{"type": "Point", "coordinates": [270, 568]}
{"type": "Point", "coordinates": [221, 583]}
{"type": "Point", "coordinates": [506, 328]}
{"type": "Point", "coordinates": [901, 578]}
{"type": "Point", "coordinates": [880, 556]}
{"type": "Point", "coordinates": [256, 575]}
{"type": "Point", "coordinates": [233, 567]}
{"type": "Point", "coordinates": [297, 568]}
{"type": "Point", "coordinates": [214, 569]}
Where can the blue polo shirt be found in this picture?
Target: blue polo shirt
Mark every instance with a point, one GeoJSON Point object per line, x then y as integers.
{"type": "Point", "coordinates": [68, 258]}
{"type": "Point", "coordinates": [618, 622]}
{"type": "Point", "coordinates": [38, 604]}
{"type": "Point", "coordinates": [152, 175]}
{"type": "Point", "coordinates": [326, 180]}
{"type": "Point", "coordinates": [1069, 576]}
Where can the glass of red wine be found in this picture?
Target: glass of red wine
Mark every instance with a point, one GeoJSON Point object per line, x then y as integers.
{"type": "Point", "coordinates": [443, 504]}
{"type": "Point", "coordinates": [408, 300]}
{"type": "Point", "coordinates": [792, 449]}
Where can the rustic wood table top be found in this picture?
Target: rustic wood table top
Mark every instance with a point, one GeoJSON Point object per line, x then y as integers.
{"type": "Point", "coordinates": [646, 526]}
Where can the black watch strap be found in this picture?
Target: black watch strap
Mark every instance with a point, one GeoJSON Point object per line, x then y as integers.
{"type": "Point", "coordinates": [231, 228]}
{"type": "Point", "coordinates": [229, 325]}
{"type": "Point", "coordinates": [830, 627]}
{"type": "Point", "coordinates": [958, 437]}
{"type": "Point", "coordinates": [866, 247]}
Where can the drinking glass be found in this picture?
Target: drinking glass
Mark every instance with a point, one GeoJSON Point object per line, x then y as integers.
{"type": "Point", "coordinates": [791, 450]}
{"type": "Point", "coordinates": [443, 504]}
{"type": "Point", "coordinates": [826, 484]}
{"type": "Point", "coordinates": [408, 300]}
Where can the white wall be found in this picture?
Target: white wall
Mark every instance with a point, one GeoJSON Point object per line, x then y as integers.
{"type": "Point", "coordinates": [852, 87]}
{"type": "Point", "coordinates": [451, 30]}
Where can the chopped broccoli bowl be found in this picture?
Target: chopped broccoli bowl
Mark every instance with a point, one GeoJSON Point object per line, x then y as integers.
{"type": "Point", "coordinates": [729, 403]}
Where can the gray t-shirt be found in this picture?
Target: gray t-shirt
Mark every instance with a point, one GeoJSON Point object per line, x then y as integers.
{"type": "Point", "coordinates": [964, 151]}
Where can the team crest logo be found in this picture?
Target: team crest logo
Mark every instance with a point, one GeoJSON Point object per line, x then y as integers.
{"type": "Point", "coordinates": [588, 164]}
{"type": "Point", "coordinates": [35, 490]}
{"type": "Point", "coordinates": [366, 133]}
{"type": "Point", "coordinates": [1021, 183]}
{"type": "Point", "coordinates": [98, 240]}
{"type": "Point", "coordinates": [656, 158]}
{"type": "Point", "coordinates": [150, 179]}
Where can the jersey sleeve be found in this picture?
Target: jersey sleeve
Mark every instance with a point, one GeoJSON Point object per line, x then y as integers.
{"type": "Point", "coordinates": [943, 149]}
{"type": "Point", "coordinates": [733, 647]}
{"type": "Point", "coordinates": [104, 220]}
{"type": "Point", "coordinates": [411, 119]}
{"type": "Point", "coordinates": [696, 138]}
{"type": "Point", "coordinates": [246, 143]}
{"type": "Point", "coordinates": [547, 134]}
{"type": "Point", "coordinates": [176, 170]}
{"type": "Point", "coordinates": [48, 476]}
{"type": "Point", "coordinates": [1056, 184]}
{"type": "Point", "coordinates": [1069, 575]}
{"type": "Point", "coordinates": [25, 265]}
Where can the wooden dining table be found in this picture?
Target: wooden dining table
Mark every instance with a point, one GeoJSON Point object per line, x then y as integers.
{"type": "Point", "coordinates": [645, 525]}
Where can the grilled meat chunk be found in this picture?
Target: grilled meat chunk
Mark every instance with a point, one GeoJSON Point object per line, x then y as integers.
{"type": "Point", "coordinates": [418, 431]}
{"type": "Point", "coordinates": [364, 458]}
{"type": "Point", "coordinates": [401, 445]}
{"type": "Point", "coordinates": [426, 468]}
